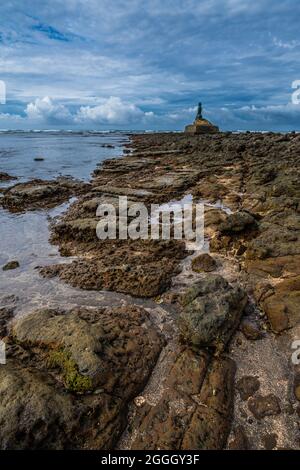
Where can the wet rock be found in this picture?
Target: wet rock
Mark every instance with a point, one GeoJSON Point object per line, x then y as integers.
{"type": "Point", "coordinates": [88, 338]}
{"type": "Point", "coordinates": [211, 312]}
{"type": "Point", "coordinates": [121, 191]}
{"type": "Point", "coordinates": [6, 177]}
{"type": "Point", "coordinates": [115, 167]}
{"type": "Point", "coordinates": [297, 386]}
{"type": "Point", "coordinates": [55, 359]}
{"type": "Point", "coordinates": [277, 238]}
{"type": "Point", "coordinates": [237, 222]}
{"type": "Point", "coordinates": [6, 314]}
{"type": "Point", "coordinates": [276, 312]}
{"type": "Point", "coordinates": [40, 194]}
{"type": "Point", "coordinates": [204, 262]}
{"type": "Point", "coordinates": [139, 280]}
{"type": "Point", "coordinates": [247, 386]}
{"type": "Point", "coordinates": [43, 416]}
{"type": "Point", "coordinates": [240, 250]}
{"type": "Point", "coordinates": [138, 267]}
{"type": "Point", "coordinates": [170, 297]}
{"type": "Point", "coordinates": [83, 229]}
{"type": "Point", "coordinates": [259, 173]}
{"type": "Point", "coordinates": [195, 409]}
{"type": "Point", "coordinates": [210, 283]}
{"type": "Point", "coordinates": [274, 267]}
{"type": "Point", "coordinates": [30, 411]}
{"type": "Point", "coordinates": [262, 406]}
{"type": "Point", "coordinates": [270, 441]}
{"type": "Point", "coordinates": [250, 330]}
{"type": "Point", "coordinates": [283, 307]}
{"type": "Point", "coordinates": [268, 175]}
{"type": "Point", "coordinates": [239, 440]}
{"type": "Point", "coordinates": [212, 219]}
{"type": "Point", "coordinates": [170, 182]}
{"type": "Point", "coordinates": [11, 265]}
{"type": "Point", "coordinates": [262, 291]}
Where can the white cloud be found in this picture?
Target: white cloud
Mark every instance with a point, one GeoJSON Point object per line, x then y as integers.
{"type": "Point", "coordinates": [288, 109]}
{"type": "Point", "coordinates": [11, 118]}
{"type": "Point", "coordinates": [186, 114]}
{"type": "Point", "coordinates": [271, 117]}
{"type": "Point", "coordinates": [44, 109]}
{"type": "Point", "coordinates": [112, 111]}
{"type": "Point", "coordinates": [116, 113]}
{"type": "Point", "coordinates": [153, 55]}
{"type": "Point", "coordinates": [286, 44]}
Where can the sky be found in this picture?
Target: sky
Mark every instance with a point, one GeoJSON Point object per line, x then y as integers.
{"type": "Point", "coordinates": [136, 64]}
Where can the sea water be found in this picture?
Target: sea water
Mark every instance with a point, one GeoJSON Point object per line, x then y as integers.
{"type": "Point", "coordinates": [24, 237]}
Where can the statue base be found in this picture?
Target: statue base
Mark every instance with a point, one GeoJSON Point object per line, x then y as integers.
{"type": "Point", "coordinates": [201, 126]}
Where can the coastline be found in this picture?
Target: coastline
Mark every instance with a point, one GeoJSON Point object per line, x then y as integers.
{"type": "Point", "coordinates": [181, 395]}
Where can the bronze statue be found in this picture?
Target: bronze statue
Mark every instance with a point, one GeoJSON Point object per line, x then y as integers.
{"type": "Point", "coordinates": [199, 112]}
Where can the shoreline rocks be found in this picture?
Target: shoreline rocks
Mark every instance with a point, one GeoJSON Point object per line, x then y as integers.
{"type": "Point", "coordinates": [40, 194]}
{"type": "Point", "coordinates": [211, 311]}
{"type": "Point", "coordinates": [195, 409]}
{"type": "Point", "coordinates": [10, 265]}
{"type": "Point", "coordinates": [6, 177]}
{"type": "Point", "coordinates": [204, 263]}
{"type": "Point", "coordinates": [69, 376]}
{"type": "Point", "coordinates": [262, 406]}
{"type": "Point", "coordinates": [75, 373]}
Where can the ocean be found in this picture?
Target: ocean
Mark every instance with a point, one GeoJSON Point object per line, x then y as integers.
{"type": "Point", "coordinates": [65, 153]}
{"type": "Point", "coordinates": [25, 236]}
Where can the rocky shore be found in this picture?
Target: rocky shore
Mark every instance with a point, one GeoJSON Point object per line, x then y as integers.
{"type": "Point", "coordinates": [206, 365]}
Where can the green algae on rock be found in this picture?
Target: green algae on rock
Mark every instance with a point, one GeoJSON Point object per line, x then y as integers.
{"type": "Point", "coordinates": [74, 381]}
{"type": "Point", "coordinates": [70, 375]}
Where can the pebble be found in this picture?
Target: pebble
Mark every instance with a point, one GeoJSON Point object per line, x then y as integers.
{"type": "Point", "coordinates": [11, 265]}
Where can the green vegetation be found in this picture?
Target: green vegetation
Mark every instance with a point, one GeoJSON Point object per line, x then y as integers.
{"type": "Point", "coordinates": [74, 381]}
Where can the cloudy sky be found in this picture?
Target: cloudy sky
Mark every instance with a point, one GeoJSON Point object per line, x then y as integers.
{"type": "Point", "coordinates": [137, 64]}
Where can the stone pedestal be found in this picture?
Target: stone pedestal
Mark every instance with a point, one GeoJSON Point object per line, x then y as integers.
{"type": "Point", "coordinates": [201, 126]}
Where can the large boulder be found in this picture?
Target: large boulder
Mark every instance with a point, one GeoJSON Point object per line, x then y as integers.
{"type": "Point", "coordinates": [32, 414]}
{"type": "Point", "coordinates": [211, 311]}
{"type": "Point", "coordinates": [6, 177]}
{"type": "Point", "coordinates": [204, 263]}
{"type": "Point", "coordinates": [94, 341]}
{"type": "Point", "coordinates": [38, 194]}
{"type": "Point", "coordinates": [282, 307]}
{"type": "Point", "coordinates": [70, 375]}
{"type": "Point", "coordinates": [237, 222]}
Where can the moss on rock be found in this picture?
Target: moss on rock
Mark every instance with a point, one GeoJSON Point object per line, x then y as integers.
{"type": "Point", "coordinates": [74, 381]}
